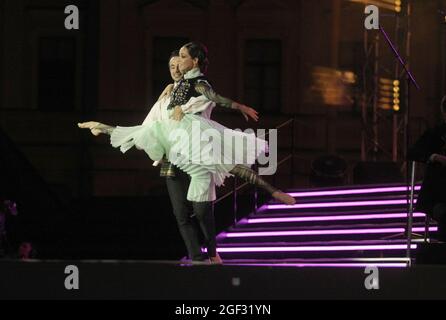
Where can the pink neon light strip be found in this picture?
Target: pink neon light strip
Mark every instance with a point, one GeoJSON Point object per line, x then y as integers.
{"type": "Point", "coordinates": [321, 232]}
{"type": "Point", "coordinates": [317, 248]}
{"type": "Point", "coordinates": [334, 218]}
{"type": "Point", "coordinates": [350, 191]}
{"type": "Point", "coordinates": [332, 265]}
{"type": "Point", "coordinates": [337, 204]}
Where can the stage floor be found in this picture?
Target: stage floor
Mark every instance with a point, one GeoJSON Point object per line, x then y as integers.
{"type": "Point", "coordinates": [172, 280]}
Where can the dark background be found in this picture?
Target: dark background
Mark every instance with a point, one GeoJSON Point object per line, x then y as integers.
{"type": "Point", "coordinates": [78, 197]}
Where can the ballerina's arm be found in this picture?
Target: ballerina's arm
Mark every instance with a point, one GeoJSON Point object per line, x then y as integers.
{"type": "Point", "coordinates": [205, 89]}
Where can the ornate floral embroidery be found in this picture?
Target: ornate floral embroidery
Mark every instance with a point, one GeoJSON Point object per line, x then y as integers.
{"type": "Point", "coordinates": [183, 92]}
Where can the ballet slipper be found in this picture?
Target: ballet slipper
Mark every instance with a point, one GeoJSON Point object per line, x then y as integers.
{"type": "Point", "coordinates": [95, 127]}
{"type": "Point", "coordinates": [284, 197]}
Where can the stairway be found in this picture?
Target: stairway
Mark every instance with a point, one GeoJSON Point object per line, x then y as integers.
{"type": "Point", "coordinates": [344, 226]}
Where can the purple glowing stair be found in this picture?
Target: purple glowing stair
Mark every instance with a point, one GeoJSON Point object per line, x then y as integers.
{"type": "Point", "coordinates": [348, 226]}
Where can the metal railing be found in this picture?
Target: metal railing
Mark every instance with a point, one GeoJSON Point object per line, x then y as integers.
{"type": "Point", "coordinates": [236, 189]}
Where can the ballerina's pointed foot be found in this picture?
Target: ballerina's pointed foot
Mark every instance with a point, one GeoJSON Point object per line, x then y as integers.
{"type": "Point", "coordinates": [284, 197]}
{"type": "Point", "coordinates": [92, 125]}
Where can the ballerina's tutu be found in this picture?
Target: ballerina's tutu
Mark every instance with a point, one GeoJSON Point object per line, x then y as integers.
{"type": "Point", "coordinates": [204, 149]}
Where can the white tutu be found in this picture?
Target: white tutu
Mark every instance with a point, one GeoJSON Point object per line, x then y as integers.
{"type": "Point", "coordinates": [202, 148]}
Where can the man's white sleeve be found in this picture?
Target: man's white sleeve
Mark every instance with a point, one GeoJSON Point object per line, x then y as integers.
{"type": "Point", "coordinates": [154, 113]}
{"type": "Point", "coordinates": [197, 105]}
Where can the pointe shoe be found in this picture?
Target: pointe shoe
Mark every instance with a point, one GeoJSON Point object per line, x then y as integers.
{"type": "Point", "coordinates": [92, 125]}
{"type": "Point", "coordinates": [284, 197]}
{"type": "Point", "coordinates": [215, 260]}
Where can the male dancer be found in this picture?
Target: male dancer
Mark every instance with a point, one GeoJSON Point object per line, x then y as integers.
{"type": "Point", "coordinates": [178, 181]}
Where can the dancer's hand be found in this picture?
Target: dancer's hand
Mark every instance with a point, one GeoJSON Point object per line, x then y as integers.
{"type": "Point", "coordinates": [247, 112]}
{"type": "Point", "coordinates": [178, 114]}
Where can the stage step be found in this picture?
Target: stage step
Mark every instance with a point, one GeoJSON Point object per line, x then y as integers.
{"type": "Point", "coordinates": [324, 218]}
{"type": "Point", "coordinates": [354, 225]}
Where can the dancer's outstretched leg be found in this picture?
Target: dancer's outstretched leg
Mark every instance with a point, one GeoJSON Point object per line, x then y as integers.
{"type": "Point", "coordinates": [240, 171]}
{"type": "Point", "coordinates": [252, 177]}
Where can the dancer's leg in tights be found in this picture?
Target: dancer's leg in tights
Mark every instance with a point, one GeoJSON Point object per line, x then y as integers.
{"type": "Point", "coordinates": [252, 177]}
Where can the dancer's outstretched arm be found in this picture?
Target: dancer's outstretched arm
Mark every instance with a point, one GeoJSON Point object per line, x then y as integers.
{"type": "Point", "coordinates": [206, 90]}
{"type": "Point", "coordinates": [96, 128]}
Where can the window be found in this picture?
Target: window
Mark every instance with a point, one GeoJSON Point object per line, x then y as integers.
{"type": "Point", "coordinates": [263, 64]}
{"type": "Point", "coordinates": [162, 48]}
{"type": "Point", "coordinates": [57, 73]}
{"type": "Point", "coordinates": [351, 57]}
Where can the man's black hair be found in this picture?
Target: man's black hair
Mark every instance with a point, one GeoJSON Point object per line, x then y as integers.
{"type": "Point", "coordinates": [174, 53]}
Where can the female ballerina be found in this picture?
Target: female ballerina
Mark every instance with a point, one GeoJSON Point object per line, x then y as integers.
{"type": "Point", "coordinates": [173, 137]}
